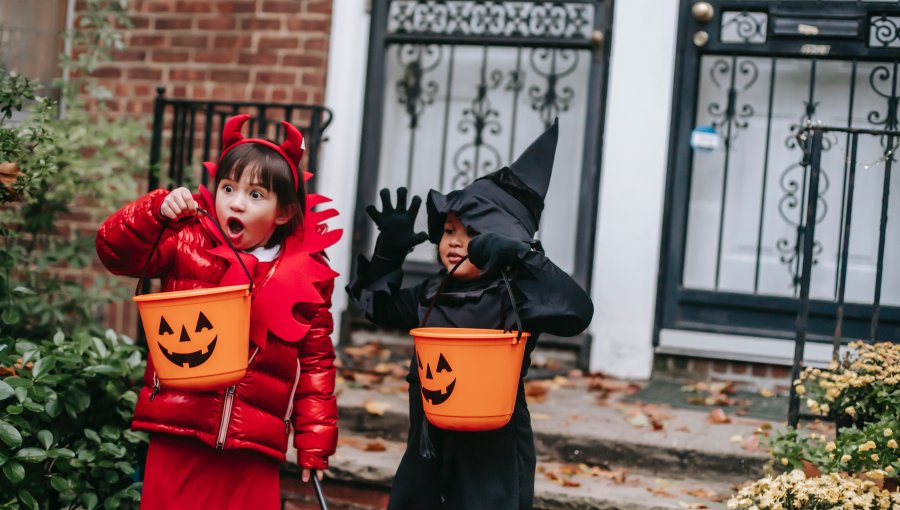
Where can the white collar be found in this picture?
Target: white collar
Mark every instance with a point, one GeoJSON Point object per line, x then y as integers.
{"type": "Point", "coordinates": [264, 254]}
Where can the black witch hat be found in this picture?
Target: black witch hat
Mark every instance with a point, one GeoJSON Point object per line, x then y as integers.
{"type": "Point", "coordinates": [508, 201]}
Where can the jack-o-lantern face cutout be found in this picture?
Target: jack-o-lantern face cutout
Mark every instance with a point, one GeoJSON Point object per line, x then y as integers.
{"type": "Point", "coordinates": [202, 331]}
{"type": "Point", "coordinates": [438, 380]}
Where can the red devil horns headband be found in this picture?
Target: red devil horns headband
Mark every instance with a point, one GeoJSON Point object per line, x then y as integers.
{"type": "Point", "coordinates": [291, 148]}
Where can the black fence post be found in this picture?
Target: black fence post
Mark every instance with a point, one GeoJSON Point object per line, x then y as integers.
{"type": "Point", "coordinates": [809, 238]}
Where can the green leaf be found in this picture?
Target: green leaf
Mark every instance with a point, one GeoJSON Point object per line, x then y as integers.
{"type": "Point", "coordinates": [59, 483]}
{"type": "Point", "coordinates": [10, 435]}
{"type": "Point", "coordinates": [6, 390]}
{"type": "Point", "coordinates": [62, 453]}
{"type": "Point", "coordinates": [21, 393]}
{"type": "Point", "coordinates": [14, 409]}
{"type": "Point", "coordinates": [4, 456]}
{"type": "Point", "coordinates": [89, 500]}
{"type": "Point", "coordinates": [26, 498]}
{"type": "Point", "coordinates": [103, 369]}
{"type": "Point", "coordinates": [93, 436]}
{"type": "Point", "coordinates": [31, 455]}
{"type": "Point", "coordinates": [24, 290]}
{"type": "Point", "coordinates": [33, 406]}
{"type": "Point", "coordinates": [14, 471]}
{"type": "Point", "coordinates": [43, 366]}
{"type": "Point", "coordinates": [10, 316]}
{"type": "Point", "coordinates": [59, 338]}
{"type": "Point", "coordinates": [45, 437]}
{"type": "Point", "coordinates": [53, 407]}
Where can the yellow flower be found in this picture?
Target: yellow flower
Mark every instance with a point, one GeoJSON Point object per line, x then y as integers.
{"type": "Point", "coordinates": [846, 458]}
{"type": "Point", "coordinates": [851, 411]}
{"type": "Point", "coordinates": [784, 461]}
{"type": "Point", "coordinates": [801, 390]}
{"type": "Point", "coordinates": [889, 469]}
{"type": "Point", "coordinates": [892, 443]}
{"type": "Point", "coordinates": [888, 432]}
{"type": "Point", "coordinates": [830, 446]}
{"type": "Point", "coordinates": [874, 457]}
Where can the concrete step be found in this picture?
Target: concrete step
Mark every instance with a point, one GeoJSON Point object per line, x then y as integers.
{"type": "Point", "coordinates": [367, 465]}
{"type": "Point", "coordinates": [571, 426]}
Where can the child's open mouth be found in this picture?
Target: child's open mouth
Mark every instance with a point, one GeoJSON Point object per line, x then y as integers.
{"type": "Point", "coordinates": [235, 226]}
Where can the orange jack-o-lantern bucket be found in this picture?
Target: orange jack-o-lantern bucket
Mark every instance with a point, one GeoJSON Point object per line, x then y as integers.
{"type": "Point", "coordinates": [198, 339]}
{"type": "Point", "coordinates": [469, 377]}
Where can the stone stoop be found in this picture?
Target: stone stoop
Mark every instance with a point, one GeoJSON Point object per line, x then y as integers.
{"type": "Point", "coordinates": [664, 468]}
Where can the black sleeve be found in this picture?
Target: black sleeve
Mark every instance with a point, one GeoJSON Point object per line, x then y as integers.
{"type": "Point", "coordinates": [378, 293]}
{"type": "Point", "coordinates": [551, 300]}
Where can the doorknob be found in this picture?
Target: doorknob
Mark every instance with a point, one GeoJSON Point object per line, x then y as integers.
{"type": "Point", "coordinates": [703, 11]}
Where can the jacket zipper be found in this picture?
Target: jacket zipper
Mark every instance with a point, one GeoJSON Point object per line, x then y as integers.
{"type": "Point", "coordinates": [226, 409]}
{"type": "Point", "coordinates": [287, 415]}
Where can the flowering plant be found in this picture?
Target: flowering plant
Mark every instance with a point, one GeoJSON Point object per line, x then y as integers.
{"type": "Point", "coordinates": [861, 386]}
{"type": "Point", "coordinates": [793, 490]}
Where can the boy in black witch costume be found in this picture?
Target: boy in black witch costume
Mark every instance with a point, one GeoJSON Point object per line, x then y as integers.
{"type": "Point", "coordinates": [493, 221]}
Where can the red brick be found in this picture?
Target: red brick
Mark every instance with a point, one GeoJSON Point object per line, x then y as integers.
{"type": "Point", "coordinates": [700, 367]}
{"type": "Point", "coordinates": [258, 94]}
{"type": "Point", "coordinates": [141, 90]}
{"type": "Point", "coordinates": [316, 44]}
{"type": "Point", "coordinates": [309, 25]}
{"type": "Point", "coordinates": [193, 6]}
{"type": "Point", "coordinates": [232, 41]}
{"type": "Point", "coordinates": [143, 73]}
{"type": "Point", "coordinates": [169, 56]}
{"type": "Point", "coordinates": [303, 61]}
{"type": "Point", "coordinates": [188, 75]}
{"type": "Point", "coordinates": [320, 6]}
{"type": "Point", "coordinates": [139, 22]}
{"type": "Point", "coordinates": [261, 24]}
{"type": "Point", "coordinates": [146, 40]}
{"type": "Point", "coordinates": [299, 96]}
{"type": "Point", "coordinates": [276, 77]}
{"type": "Point", "coordinates": [278, 42]}
{"type": "Point", "coordinates": [129, 55]}
{"type": "Point", "coordinates": [760, 370]}
{"type": "Point", "coordinates": [739, 368]}
{"type": "Point", "coordinates": [720, 367]}
{"type": "Point", "coordinates": [235, 6]}
{"type": "Point", "coordinates": [230, 76]}
{"type": "Point", "coordinates": [214, 56]}
{"type": "Point", "coordinates": [279, 95]}
{"type": "Point", "coordinates": [155, 6]}
{"type": "Point", "coordinates": [107, 72]}
{"type": "Point", "coordinates": [316, 79]}
{"type": "Point", "coordinates": [219, 23]}
{"type": "Point", "coordinates": [290, 7]}
{"type": "Point", "coordinates": [173, 23]}
{"type": "Point", "coordinates": [189, 41]}
{"type": "Point", "coordinates": [259, 59]}
{"type": "Point", "coordinates": [781, 372]}
{"type": "Point", "coordinates": [179, 91]}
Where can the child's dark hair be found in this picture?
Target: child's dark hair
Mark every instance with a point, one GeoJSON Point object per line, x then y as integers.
{"type": "Point", "coordinates": [275, 174]}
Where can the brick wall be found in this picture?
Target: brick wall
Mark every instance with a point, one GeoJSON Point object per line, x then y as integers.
{"type": "Point", "coordinates": [235, 50]}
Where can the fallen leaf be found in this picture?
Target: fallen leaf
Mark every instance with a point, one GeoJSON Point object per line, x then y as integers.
{"type": "Point", "coordinates": [540, 416]}
{"type": "Point", "coordinates": [718, 416]}
{"type": "Point", "coordinates": [376, 407]}
{"type": "Point", "coordinates": [375, 446]}
{"type": "Point", "coordinates": [704, 494]}
{"type": "Point", "coordinates": [692, 506]}
{"type": "Point", "coordinates": [766, 393]}
{"type": "Point", "coordinates": [659, 491]}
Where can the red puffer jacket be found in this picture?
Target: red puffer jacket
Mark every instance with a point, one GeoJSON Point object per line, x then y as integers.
{"type": "Point", "coordinates": [286, 383]}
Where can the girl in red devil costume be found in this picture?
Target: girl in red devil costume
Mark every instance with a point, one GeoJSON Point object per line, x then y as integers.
{"type": "Point", "coordinates": [222, 449]}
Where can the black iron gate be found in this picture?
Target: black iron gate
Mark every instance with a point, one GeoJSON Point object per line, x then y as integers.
{"type": "Point", "coordinates": [457, 89]}
{"type": "Point", "coordinates": [751, 74]}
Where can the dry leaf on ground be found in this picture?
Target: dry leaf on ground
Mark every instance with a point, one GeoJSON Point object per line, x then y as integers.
{"type": "Point", "coordinates": [718, 416]}
{"type": "Point", "coordinates": [692, 506]}
{"type": "Point", "coordinates": [704, 494]}
{"type": "Point", "coordinates": [376, 407]}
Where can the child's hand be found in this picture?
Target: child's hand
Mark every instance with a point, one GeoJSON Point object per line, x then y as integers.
{"type": "Point", "coordinates": [397, 225]}
{"type": "Point", "coordinates": [178, 204]}
{"type": "Point", "coordinates": [304, 475]}
{"type": "Point", "coordinates": [495, 251]}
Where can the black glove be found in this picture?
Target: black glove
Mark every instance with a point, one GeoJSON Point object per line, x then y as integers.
{"type": "Point", "coordinates": [397, 237]}
{"type": "Point", "coordinates": [495, 251]}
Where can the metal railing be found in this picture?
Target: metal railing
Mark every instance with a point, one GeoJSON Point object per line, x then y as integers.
{"type": "Point", "coordinates": [812, 138]}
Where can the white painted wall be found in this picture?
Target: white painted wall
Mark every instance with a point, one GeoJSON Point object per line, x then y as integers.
{"type": "Point", "coordinates": [632, 186]}
{"type": "Point", "coordinates": [340, 159]}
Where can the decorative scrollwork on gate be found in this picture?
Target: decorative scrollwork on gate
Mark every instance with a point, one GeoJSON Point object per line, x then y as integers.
{"type": "Point", "coordinates": [412, 92]}
{"type": "Point", "coordinates": [744, 27]}
{"type": "Point", "coordinates": [884, 83]}
{"type": "Point", "coordinates": [552, 65]}
{"type": "Point", "coordinates": [741, 76]}
{"type": "Point", "coordinates": [462, 18]}
{"type": "Point", "coordinates": [884, 32]}
{"type": "Point", "coordinates": [476, 158]}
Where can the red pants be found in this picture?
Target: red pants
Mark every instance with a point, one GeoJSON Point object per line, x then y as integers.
{"type": "Point", "coordinates": [183, 473]}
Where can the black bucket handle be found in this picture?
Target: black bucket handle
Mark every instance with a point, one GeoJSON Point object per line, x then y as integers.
{"type": "Point", "coordinates": [137, 289]}
{"type": "Point", "coordinates": [512, 298]}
